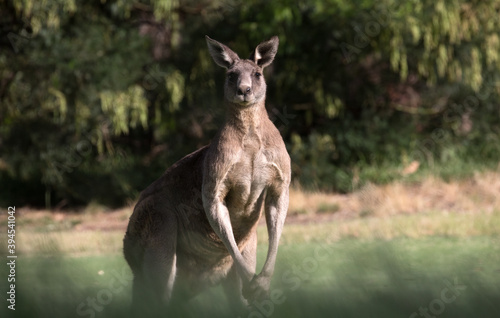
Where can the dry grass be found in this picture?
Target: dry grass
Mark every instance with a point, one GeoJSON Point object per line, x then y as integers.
{"type": "Point", "coordinates": [443, 224]}
{"type": "Point", "coordinates": [401, 226]}
{"type": "Point", "coordinates": [480, 193]}
{"type": "Point", "coordinates": [432, 207]}
{"type": "Point", "coordinates": [75, 243]}
{"type": "Point", "coordinates": [95, 218]}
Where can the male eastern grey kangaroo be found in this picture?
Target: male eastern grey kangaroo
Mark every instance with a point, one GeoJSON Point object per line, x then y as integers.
{"type": "Point", "coordinates": [196, 225]}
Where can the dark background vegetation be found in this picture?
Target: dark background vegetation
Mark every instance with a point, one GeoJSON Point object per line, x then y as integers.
{"type": "Point", "coordinates": [98, 98]}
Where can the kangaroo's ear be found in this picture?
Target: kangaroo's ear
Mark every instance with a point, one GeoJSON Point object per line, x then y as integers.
{"type": "Point", "coordinates": [221, 54]}
{"type": "Point", "coordinates": [264, 53]}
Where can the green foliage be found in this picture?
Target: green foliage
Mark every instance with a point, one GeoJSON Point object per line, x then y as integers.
{"type": "Point", "coordinates": [355, 85]}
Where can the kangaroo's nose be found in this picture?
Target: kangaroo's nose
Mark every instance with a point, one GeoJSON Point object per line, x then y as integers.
{"type": "Point", "coordinates": [243, 90]}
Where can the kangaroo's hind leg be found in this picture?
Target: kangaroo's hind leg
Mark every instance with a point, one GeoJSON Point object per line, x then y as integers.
{"type": "Point", "coordinates": [154, 280]}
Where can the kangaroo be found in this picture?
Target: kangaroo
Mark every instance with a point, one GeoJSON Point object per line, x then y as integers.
{"type": "Point", "coordinates": [196, 225]}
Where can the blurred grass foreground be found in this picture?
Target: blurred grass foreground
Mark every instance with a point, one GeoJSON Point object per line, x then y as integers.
{"type": "Point", "coordinates": [389, 110]}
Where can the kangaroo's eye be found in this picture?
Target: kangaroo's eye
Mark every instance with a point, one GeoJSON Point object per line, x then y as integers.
{"type": "Point", "coordinates": [232, 77]}
{"type": "Point", "coordinates": [257, 74]}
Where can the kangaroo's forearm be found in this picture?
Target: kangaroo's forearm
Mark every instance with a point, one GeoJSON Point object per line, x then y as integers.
{"type": "Point", "coordinates": [218, 217]}
{"type": "Point", "coordinates": [276, 211]}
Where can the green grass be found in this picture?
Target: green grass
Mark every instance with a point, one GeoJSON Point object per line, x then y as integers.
{"type": "Point", "coordinates": [347, 278]}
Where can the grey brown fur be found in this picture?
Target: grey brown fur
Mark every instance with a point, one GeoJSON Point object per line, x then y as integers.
{"type": "Point", "coordinates": [196, 225]}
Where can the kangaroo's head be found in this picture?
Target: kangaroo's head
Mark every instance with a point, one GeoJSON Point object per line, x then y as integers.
{"type": "Point", "coordinates": [245, 84]}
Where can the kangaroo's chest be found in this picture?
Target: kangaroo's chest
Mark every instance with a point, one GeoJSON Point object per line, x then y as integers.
{"type": "Point", "coordinates": [249, 177]}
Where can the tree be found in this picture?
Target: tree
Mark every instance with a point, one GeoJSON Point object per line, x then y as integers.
{"type": "Point", "coordinates": [97, 98]}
